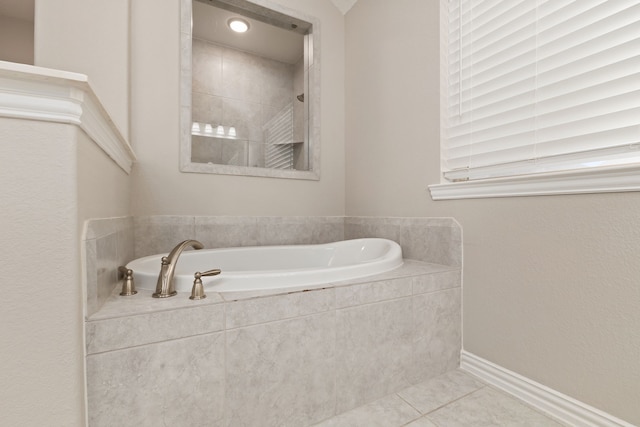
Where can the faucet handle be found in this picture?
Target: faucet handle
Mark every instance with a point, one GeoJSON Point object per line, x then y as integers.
{"type": "Point", "coordinates": [128, 287]}
{"type": "Point", "coordinates": [197, 292]}
{"type": "Point", "coordinates": [213, 272]}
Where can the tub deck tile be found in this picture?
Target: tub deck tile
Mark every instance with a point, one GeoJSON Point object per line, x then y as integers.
{"type": "Point", "coordinates": [436, 281]}
{"type": "Point", "coordinates": [143, 302]}
{"type": "Point", "coordinates": [278, 307]}
{"type": "Point", "coordinates": [366, 293]}
{"type": "Point", "coordinates": [130, 331]}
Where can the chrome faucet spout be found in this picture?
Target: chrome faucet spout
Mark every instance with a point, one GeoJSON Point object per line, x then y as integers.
{"type": "Point", "coordinates": [165, 287]}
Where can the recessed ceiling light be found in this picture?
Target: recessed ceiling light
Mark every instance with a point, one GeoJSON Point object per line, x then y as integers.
{"type": "Point", "coordinates": [238, 25]}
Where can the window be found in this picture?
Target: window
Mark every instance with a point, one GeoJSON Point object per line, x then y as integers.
{"type": "Point", "coordinates": [541, 91]}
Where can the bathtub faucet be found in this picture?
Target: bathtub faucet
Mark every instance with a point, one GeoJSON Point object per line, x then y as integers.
{"type": "Point", "coordinates": [165, 287]}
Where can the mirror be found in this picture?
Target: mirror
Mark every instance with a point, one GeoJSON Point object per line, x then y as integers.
{"type": "Point", "coordinates": [249, 101]}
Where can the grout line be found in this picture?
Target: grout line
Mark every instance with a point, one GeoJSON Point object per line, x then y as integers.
{"type": "Point", "coordinates": [409, 403]}
{"type": "Point", "coordinates": [284, 319]}
{"type": "Point", "coordinates": [455, 400]}
{"type": "Point", "coordinates": [419, 418]}
{"type": "Point", "coordinates": [154, 311]}
{"type": "Point", "coordinates": [431, 420]}
{"type": "Point", "coordinates": [155, 342]}
{"type": "Point", "coordinates": [437, 290]}
{"type": "Point", "coordinates": [527, 404]}
{"type": "Point", "coordinates": [366, 304]}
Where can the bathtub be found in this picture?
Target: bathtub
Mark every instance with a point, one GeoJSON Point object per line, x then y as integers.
{"type": "Point", "coordinates": [261, 270]}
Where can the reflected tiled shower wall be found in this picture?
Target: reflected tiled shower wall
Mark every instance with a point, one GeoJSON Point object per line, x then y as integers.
{"type": "Point", "coordinates": [240, 90]}
{"type": "Point", "coordinates": [300, 151]}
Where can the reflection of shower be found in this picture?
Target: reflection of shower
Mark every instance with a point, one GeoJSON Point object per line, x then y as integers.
{"type": "Point", "coordinates": [278, 138]}
{"type": "Point", "coordinates": [300, 97]}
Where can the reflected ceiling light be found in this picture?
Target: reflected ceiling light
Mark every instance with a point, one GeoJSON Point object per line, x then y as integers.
{"type": "Point", "coordinates": [238, 25]}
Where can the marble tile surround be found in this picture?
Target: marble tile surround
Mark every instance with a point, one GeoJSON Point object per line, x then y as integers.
{"type": "Point", "coordinates": [158, 384]}
{"type": "Point", "coordinates": [107, 244]}
{"type": "Point", "coordinates": [111, 242]}
{"type": "Point", "coordinates": [363, 340]}
{"type": "Point", "coordinates": [287, 360]}
{"type": "Point", "coordinates": [159, 234]}
{"type": "Point", "coordinates": [436, 240]}
{"type": "Point", "coordinates": [433, 240]}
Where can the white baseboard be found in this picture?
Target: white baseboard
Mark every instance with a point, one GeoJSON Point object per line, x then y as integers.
{"type": "Point", "coordinates": [557, 405]}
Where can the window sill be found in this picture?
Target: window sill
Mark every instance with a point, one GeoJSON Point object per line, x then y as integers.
{"type": "Point", "coordinates": [595, 180]}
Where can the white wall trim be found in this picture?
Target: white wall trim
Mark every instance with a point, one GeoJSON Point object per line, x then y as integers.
{"type": "Point", "coordinates": [594, 180]}
{"type": "Point", "coordinates": [547, 400]}
{"type": "Point", "coordinates": [35, 93]}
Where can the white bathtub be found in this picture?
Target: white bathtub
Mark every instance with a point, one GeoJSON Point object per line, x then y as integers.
{"type": "Point", "coordinates": [251, 271]}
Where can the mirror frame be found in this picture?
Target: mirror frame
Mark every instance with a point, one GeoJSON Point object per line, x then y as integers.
{"type": "Point", "coordinates": [312, 120]}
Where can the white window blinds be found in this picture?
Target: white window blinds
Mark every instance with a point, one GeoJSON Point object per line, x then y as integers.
{"type": "Point", "coordinates": [532, 86]}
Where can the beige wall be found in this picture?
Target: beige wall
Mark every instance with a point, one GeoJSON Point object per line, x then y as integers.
{"type": "Point", "coordinates": [89, 37]}
{"type": "Point", "coordinates": [41, 334]}
{"type": "Point", "coordinates": [391, 106]}
{"type": "Point", "coordinates": [550, 283]}
{"type": "Point", "coordinates": [160, 188]}
{"type": "Point", "coordinates": [104, 189]}
{"type": "Point", "coordinates": [53, 177]}
{"type": "Point", "coordinates": [16, 40]}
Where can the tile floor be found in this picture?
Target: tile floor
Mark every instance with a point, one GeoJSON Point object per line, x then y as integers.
{"type": "Point", "coordinates": [454, 399]}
